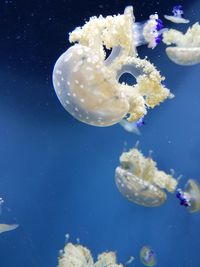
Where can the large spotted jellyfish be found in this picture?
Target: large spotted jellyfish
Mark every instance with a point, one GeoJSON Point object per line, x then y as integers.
{"type": "Point", "coordinates": [187, 46]}
{"type": "Point", "coordinates": [139, 180]}
{"type": "Point", "coordinates": [75, 255]}
{"type": "Point", "coordinates": [87, 83]}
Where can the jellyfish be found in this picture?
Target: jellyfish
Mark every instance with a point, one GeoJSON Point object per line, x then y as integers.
{"type": "Point", "coordinates": [87, 83]}
{"type": "Point", "coordinates": [147, 256]}
{"type": "Point", "coordinates": [79, 256]}
{"type": "Point", "coordinates": [186, 51]}
{"type": "Point", "coordinates": [177, 15]}
{"type": "Point", "coordinates": [139, 180]}
{"type": "Point", "coordinates": [190, 197]}
{"type": "Point", "coordinates": [7, 227]}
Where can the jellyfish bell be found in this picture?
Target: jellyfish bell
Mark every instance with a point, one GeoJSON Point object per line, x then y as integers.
{"type": "Point", "coordinates": [184, 56]}
{"type": "Point", "coordinates": [190, 197]}
{"type": "Point", "coordinates": [87, 89]}
{"type": "Point", "coordinates": [138, 179]}
{"type": "Point", "coordinates": [186, 51]}
{"type": "Point", "coordinates": [7, 227]}
{"type": "Point", "coordinates": [148, 256]}
{"type": "Point", "coordinates": [87, 83]}
{"type": "Point", "coordinates": [138, 191]}
{"type": "Point", "coordinates": [177, 15]}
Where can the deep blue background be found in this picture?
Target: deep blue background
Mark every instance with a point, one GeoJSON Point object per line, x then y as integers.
{"type": "Point", "coordinates": [57, 174]}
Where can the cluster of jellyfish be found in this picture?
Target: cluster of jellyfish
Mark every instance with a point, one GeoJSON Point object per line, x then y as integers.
{"type": "Point", "coordinates": [87, 85]}
{"type": "Point", "coordinates": [86, 82]}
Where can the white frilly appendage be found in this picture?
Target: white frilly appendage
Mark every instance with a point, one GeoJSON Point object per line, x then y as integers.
{"type": "Point", "coordinates": [79, 256]}
{"type": "Point", "coordinates": [187, 46]}
{"type": "Point", "coordinates": [139, 180]}
{"type": "Point", "coordinates": [87, 84]}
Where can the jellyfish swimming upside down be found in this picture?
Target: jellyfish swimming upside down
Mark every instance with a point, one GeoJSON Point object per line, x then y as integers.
{"type": "Point", "coordinates": [139, 180]}
{"type": "Point", "coordinates": [186, 51]}
{"type": "Point", "coordinates": [87, 83]}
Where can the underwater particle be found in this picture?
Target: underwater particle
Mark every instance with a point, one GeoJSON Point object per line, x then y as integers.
{"type": "Point", "coordinates": [177, 15]}
{"type": "Point", "coordinates": [7, 227]}
{"type": "Point", "coordinates": [139, 180]}
{"type": "Point", "coordinates": [190, 197]}
{"type": "Point", "coordinates": [1, 204]}
{"type": "Point", "coordinates": [79, 256]}
{"type": "Point", "coordinates": [131, 259]}
{"type": "Point", "coordinates": [186, 51]}
{"type": "Point", "coordinates": [87, 83]}
{"type": "Point", "coordinates": [148, 256]}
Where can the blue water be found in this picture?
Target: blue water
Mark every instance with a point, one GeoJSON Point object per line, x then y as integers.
{"type": "Point", "coordinates": [57, 174]}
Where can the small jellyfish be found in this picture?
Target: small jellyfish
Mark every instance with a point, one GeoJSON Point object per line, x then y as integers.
{"type": "Point", "coordinates": [186, 51]}
{"type": "Point", "coordinates": [190, 197]}
{"type": "Point", "coordinates": [87, 83]}
{"type": "Point", "coordinates": [7, 227]}
{"type": "Point", "coordinates": [177, 15]}
{"type": "Point", "coordinates": [139, 180]}
{"type": "Point", "coordinates": [147, 256]}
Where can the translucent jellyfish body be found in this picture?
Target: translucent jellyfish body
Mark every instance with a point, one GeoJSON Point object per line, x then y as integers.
{"type": "Point", "coordinates": [79, 256]}
{"type": "Point", "coordinates": [177, 15]}
{"type": "Point", "coordinates": [7, 227]}
{"type": "Point", "coordinates": [132, 127]}
{"type": "Point", "coordinates": [87, 83]}
{"type": "Point", "coordinates": [187, 46]}
{"type": "Point", "coordinates": [148, 256]}
{"type": "Point", "coordinates": [190, 197]}
{"type": "Point", "coordinates": [139, 180]}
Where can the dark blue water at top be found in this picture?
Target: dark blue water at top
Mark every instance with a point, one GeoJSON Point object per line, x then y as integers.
{"type": "Point", "coordinates": [57, 174]}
